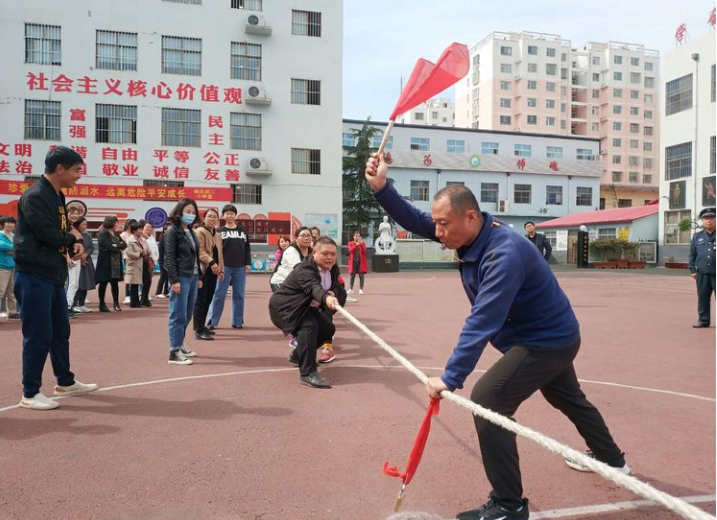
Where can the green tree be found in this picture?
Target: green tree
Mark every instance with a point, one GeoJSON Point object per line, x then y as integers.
{"type": "Point", "coordinates": [360, 208]}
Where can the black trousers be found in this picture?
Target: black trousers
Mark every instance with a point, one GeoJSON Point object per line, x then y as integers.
{"type": "Point", "coordinates": [114, 288]}
{"type": "Point", "coordinates": [510, 381]}
{"type": "Point", "coordinates": [314, 329]}
{"type": "Point", "coordinates": [133, 294]}
{"type": "Point", "coordinates": [204, 299]}
{"type": "Point", "coordinates": [705, 290]}
{"type": "Point", "coordinates": [146, 283]}
{"type": "Point", "coordinates": [163, 284]}
{"type": "Point", "coordinates": [353, 277]}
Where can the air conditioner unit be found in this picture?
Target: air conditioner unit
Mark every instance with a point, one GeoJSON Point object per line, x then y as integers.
{"type": "Point", "coordinates": [502, 206]}
{"type": "Point", "coordinates": [256, 24]}
{"type": "Point", "coordinates": [257, 166]}
{"type": "Point", "coordinates": [256, 95]}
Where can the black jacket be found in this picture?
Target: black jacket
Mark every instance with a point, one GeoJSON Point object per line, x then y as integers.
{"type": "Point", "coordinates": [702, 253]}
{"type": "Point", "coordinates": [110, 252]}
{"type": "Point", "coordinates": [542, 244]}
{"type": "Point", "coordinates": [291, 301]}
{"type": "Point", "coordinates": [179, 258]}
{"type": "Point", "coordinates": [42, 236]}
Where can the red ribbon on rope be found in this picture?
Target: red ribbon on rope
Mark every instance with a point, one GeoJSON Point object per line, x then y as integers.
{"type": "Point", "coordinates": [414, 459]}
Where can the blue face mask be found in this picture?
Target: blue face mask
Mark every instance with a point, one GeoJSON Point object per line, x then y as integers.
{"type": "Point", "coordinates": [188, 218]}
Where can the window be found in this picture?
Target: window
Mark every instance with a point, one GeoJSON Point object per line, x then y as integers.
{"type": "Point", "coordinates": [713, 84]}
{"type": "Point", "coordinates": [584, 154]}
{"type": "Point", "coordinates": [634, 128]}
{"type": "Point", "coordinates": [505, 102]}
{"type": "Point", "coordinates": [634, 143]}
{"type": "Point", "coordinates": [617, 59]}
{"type": "Point", "coordinates": [506, 68]}
{"type": "Point", "coordinates": [550, 52]}
{"type": "Point", "coordinates": [456, 146]}
{"type": "Point", "coordinates": [532, 102]}
{"type": "Point", "coordinates": [634, 111]}
{"type": "Point", "coordinates": [504, 120]}
{"type": "Point", "coordinates": [306, 23]}
{"type": "Point", "coordinates": [673, 234]}
{"type": "Point", "coordinates": [647, 130]}
{"type": "Point", "coordinates": [596, 61]}
{"type": "Point", "coordinates": [633, 160]}
{"type": "Point", "coordinates": [42, 120]}
{"type": "Point", "coordinates": [523, 150]}
{"type": "Point", "coordinates": [563, 107]}
{"type": "Point", "coordinates": [549, 103]}
{"type": "Point", "coordinates": [193, 2]}
{"type": "Point", "coordinates": [489, 192]}
{"type": "Point", "coordinates": [455, 183]}
{"type": "Point", "coordinates": [43, 44]}
{"type": "Point", "coordinates": [116, 50]}
{"type": "Point", "coordinates": [617, 109]}
{"type": "Point", "coordinates": [245, 131]}
{"type": "Point", "coordinates": [115, 124]}
{"type": "Point", "coordinates": [634, 177]}
{"type": "Point", "coordinates": [596, 76]}
{"type": "Point", "coordinates": [550, 121]}
{"type": "Point", "coordinates": [349, 139]}
{"type": "Point", "coordinates": [713, 162]}
{"type": "Point", "coordinates": [249, 5]}
{"type": "Point", "coordinates": [678, 95]}
{"type": "Point", "coordinates": [306, 161]}
{"type": "Point", "coordinates": [648, 98]}
{"type": "Point", "coordinates": [420, 143]}
{"type": "Point", "coordinates": [617, 126]}
{"type": "Point", "coordinates": [635, 78]}
{"type": "Point", "coordinates": [563, 124]}
{"type": "Point", "coordinates": [596, 94]}
{"type": "Point", "coordinates": [181, 127]}
{"type": "Point", "coordinates": [522, 193]}
{"type": "Point", "coordinates": [532, 85]}
{"type": "Point", "coordinates": [305, 91]}
{"type": "Point", "coordinates": [489, 148]}
{"type": "Point", "coordinates": [419, 190]}
{"type": "Point", "coordinates": [246, 61]}
{"type": "Point", "coordinates": [595, 127]}
{"type": "Point", "coordinates": [635, 62]}
{"type": "Point", "coordinates": [550, 86]}
{"type": "Point", "coordinates": [602, 203]}
{"type": "Point", "coordinates": [617, 76]}
{"type": "Point", "coordinates": [161, 183]}
{"type": "Point", "coordinates": [634, 94]}
{"type": "Point", "coordinates": [505, 85]}
{"type": "Point", "coordinates": [647, 147]}
{"type": "Point", "coordinates": [181, 56]}
{"type": "Point", "coordinates": [584, 196]}
{"type": "Point", "coordinates": [647, 162]}
{"type": "Point", "coordinates": [616, 176]}
{"type": "Point", "coordinates": [506, 51]}
{"type": "Point", "coordinates": [533, 50]}
{"type": "Point", "coordinates": [678, 161]}
{"type": "Point", "coordinates": [532, 68]}
{"type": "Point", "coordinates": [552, 237]}
{"type": "Point", "coordinates": [617, 92]}
{"type": "Point", "coordinates": [532, 120]}
{"type": "Point", "coordinates": [649, 82]}
{"type": "Point", "coordinates": [607, 232]}
{"type": "Point", "coordinates": [418, 116]}
{"type": "Point", "coordinates": [648, 114]}
{"type": "Point", "coordinates": [554, 195]}
{"type": "Point", "coordinates": [648, 65]}
{"type": "Point", "coordinates": [378, 137]}
{"type": "Point", "coordinates": [554, 152]}
{"type": "Point", "coordinates": [624, 203]}
{"type": "Point", "coordinates": [551, 69]}
{"type": "Point", "coordinates": [247, 193]}
{"type": "Point", "coordinates": [616, 142]}
{"type": "Point", "coordinates": [647, 178]}
{"type": "Point", "coordinates": [434, 115]}
{"type": "Point", "coordinates": [564, 56]}
{"type": "Point", "coordinates": [617, 159]}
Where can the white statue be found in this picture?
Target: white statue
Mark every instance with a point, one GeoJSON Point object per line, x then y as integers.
{"type": "Point", "coordinates": [385, 244]}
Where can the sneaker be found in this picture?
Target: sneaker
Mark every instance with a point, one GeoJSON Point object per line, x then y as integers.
{"type": "Point", "coordinates": [492, 510]}
{"type": "Point", "coordinates": [160, 297]}
{"type": "Point", "coordinates": [350, 291]}
{"type": "Point", "coordinates": [177, 357]}
{"type": "Point", "coordinates": [326, 353]}
{"type": "Point", "coordinates": [3, 315]}
{"type": "Point", "coordinates": [625, 469]}
{"type": "Point", "coordinates": [360, 291]}
{"type": "Point", "coordinates": [84, 309]}
{"type": "Point", "coordinates": [127, 300]}
{"type": "Point", "coordinates": [314, 380]}
{"type": "Point", "coordinates": [14, 316]}
{"type": "Point", "coordinates": [188, 352]}
{"type": "Point", "coordinates": [293, 342]}
{"type": "Point", "coordinates": [76, 388]}
{"type": "Point", "coordinates": [39, 402]}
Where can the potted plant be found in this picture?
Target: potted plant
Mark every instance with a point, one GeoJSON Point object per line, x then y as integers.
{"type": "Point", "coordinates": [617, 251]}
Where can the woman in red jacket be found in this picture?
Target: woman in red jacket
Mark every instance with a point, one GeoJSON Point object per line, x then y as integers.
{"type": "Point", "coordinates": [357, 262]}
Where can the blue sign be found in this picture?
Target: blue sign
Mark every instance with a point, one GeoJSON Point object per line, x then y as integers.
{"type": "Point", "coordinates": [157, 217]}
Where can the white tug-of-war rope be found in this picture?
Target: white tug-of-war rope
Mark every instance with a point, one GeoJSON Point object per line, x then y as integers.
{"type": "Point", "coordinates": [630, 483]}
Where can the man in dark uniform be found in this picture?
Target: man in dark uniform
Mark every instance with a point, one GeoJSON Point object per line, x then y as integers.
{"type": "Point", "coordinates": [702, 265]}
{"type": "Point", "coordinates": [539, 240]}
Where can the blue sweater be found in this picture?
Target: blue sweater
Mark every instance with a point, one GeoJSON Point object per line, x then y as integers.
{"type": "Point", "coordinates": [515, 298]}
{"type": "Point", "coordinates": [7, 262]}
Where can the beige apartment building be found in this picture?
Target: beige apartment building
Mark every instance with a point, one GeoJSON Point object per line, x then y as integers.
{"type": "Point", "coordinates": [538, 83]}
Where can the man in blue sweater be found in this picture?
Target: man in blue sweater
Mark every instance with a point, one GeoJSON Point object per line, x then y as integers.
{"type": "Point", "coordinates": [518, 306]}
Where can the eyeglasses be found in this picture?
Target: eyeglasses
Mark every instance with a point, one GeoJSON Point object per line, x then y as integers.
{"type": "Point", "coordinates": [305, 235]}
{"type": "Point", "coordinates": [211, 216]}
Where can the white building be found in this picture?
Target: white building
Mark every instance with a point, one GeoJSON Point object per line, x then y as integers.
{"type": "Point", "coordinates": [515, 176]}
{"type": "Point", "coordinates": [166, 98]}
{"type": "Point", "coordinates": [434, 112]}
{"type": "Point", "coordinates": [687, 143]}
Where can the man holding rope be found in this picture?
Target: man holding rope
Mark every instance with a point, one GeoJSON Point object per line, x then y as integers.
{"type": "Point", "coordinates": [518, 306]}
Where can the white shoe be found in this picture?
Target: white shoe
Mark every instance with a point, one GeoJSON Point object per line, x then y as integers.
{"type": "Point", "coordinates": [87, 301]}
{"type": "Point", "coordinates": [625, 470]}
{"type": "Point", "coordinates": [188, 352]}
{"type": "Point", "coordinates": [160, 297]}
{"type": "Point", "coordinates": [150, 298]}
{"type": "Point", "coordinates": [39, 402]}
{"type": "Point", "coordinates": [360, 291]}
{"type": "Point", "coordinates": [77, 388]}
{"type": "Point", "coordinates": [3, 315]}
{"type": "Point", "coordinates": [350, 291]}
{"type": "Point", "coordinates": [84, 309]}
{"type": "Point", "coordinates": [126, 300]}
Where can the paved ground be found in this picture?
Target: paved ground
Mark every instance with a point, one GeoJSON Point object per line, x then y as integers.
{"type": "Point", "coordinates": [236, 437]}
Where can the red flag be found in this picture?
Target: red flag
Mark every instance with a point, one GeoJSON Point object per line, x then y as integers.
{"type": "Point", "coordinates": [428, 79]}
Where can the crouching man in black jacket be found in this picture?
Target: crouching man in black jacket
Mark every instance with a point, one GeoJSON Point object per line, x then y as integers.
{"type": "Point", "coordinates": [304, 304]}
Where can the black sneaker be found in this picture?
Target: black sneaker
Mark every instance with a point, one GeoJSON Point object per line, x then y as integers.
{"type": "Point", "coordinates": [492, 510]}
{"type": "Point", "coordinates": [176, 357]}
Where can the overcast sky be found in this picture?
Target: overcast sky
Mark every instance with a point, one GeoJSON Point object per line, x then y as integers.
{"type": "Point", "coordinates": [384, 38]}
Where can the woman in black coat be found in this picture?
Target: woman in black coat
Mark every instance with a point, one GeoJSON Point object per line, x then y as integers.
{"type": "Point", "coordinates": [109, 262]}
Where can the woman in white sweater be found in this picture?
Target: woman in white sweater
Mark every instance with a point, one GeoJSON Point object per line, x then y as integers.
{"type": "Point", "coordinates": [292, 256]}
